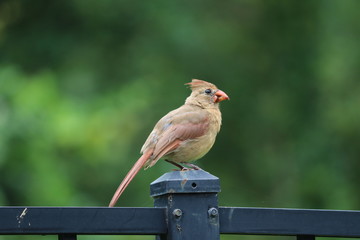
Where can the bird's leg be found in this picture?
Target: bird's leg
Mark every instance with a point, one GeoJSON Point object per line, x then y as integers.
{"type": "Point", "coordinates": [182, 168]}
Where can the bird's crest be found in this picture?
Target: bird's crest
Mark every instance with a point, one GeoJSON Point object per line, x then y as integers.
{"type": "Point", "coordinates": [196, 83]}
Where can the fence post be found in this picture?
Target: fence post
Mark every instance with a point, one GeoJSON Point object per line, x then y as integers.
{"type": "Point", "coordinates": [191, 202]}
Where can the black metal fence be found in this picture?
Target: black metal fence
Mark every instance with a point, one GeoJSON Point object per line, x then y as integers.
{"type": "Point", "coordinates": [186, 207]}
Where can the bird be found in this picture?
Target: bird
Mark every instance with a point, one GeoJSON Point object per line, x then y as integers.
{"type": "Point", "coordinates": [183, 135]}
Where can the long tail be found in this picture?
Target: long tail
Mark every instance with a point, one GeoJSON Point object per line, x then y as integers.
{"type": "Point", "coordinates": [131, 174]}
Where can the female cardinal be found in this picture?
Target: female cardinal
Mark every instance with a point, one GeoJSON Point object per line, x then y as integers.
{"type": "Point", "coordinates": [184, 134]}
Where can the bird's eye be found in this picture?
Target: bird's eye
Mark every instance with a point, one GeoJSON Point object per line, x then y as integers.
{"type": "Point", "coordinates": [208, 91]}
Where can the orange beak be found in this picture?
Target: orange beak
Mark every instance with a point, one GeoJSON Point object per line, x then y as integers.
{"type": "Point", "coordinates": [220, 96]}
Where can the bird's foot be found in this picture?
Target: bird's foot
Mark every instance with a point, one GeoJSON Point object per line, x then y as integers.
{"type": "Point", "coordinates": [182, 169]}
{"type": "Point", "coordinates": [193, 166]}
{"type": "Point", "coordinates": [185, 169]}
{"type": "Point", "coordinates": [189, 166]}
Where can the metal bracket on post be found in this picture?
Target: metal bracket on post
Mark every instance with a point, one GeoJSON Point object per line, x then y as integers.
{"type": "Point", "coordinates": [190, 198]}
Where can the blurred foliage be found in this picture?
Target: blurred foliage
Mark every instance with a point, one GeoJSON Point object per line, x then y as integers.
{"type": "Point", "coordinates": [82, 84]}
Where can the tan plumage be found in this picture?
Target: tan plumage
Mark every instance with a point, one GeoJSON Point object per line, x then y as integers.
{"type": "Point", "coordinates": [184, 134]}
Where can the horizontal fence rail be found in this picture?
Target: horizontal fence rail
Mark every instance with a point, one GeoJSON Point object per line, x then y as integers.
{"type": "Point", "coordinates": [152, 221]}
{"type": "Point", "coordinates": [72, 220]}
{"type": "Point", "coordinates": [290, 222]}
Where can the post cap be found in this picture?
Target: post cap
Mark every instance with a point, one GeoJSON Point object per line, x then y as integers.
{"type": "Point", "coordinates": [191, 181]}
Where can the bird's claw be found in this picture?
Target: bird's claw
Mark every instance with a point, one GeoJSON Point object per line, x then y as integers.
{"type": "Point", "coordinates": [194, 167]}
{"type": "Point", "coordinates": [182, 169]}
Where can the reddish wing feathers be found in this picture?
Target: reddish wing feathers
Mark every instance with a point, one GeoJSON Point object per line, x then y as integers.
{"type": "Point", "coordinates": [174, 136]}
{"type": "Point", "coordinates": [167, 149]}
{"type": "Point", "coordinates": [184, 126]}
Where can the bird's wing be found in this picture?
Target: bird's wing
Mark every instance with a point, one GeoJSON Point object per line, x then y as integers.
{"type": "Point", "coordinates": [184, 124]}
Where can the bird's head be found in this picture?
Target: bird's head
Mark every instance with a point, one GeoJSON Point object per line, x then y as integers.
{"type": "Point", "coordinates": [205, 94]}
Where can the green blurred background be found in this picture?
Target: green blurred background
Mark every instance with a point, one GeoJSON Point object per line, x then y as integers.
{"type": "Point", "coordinates": [82, 84]}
